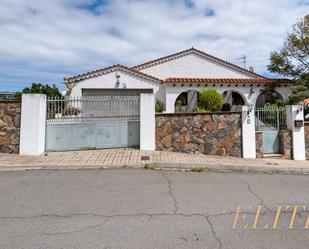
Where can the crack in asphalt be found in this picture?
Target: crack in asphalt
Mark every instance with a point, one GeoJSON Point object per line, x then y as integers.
{"type": "Point", "coordinates": [170, 191]}
{"type": "Point", "coordinates": [213, 232]}
{"type": "Point", "coordinates": [77, 231]}
{"type": "Point", "coordinates": [255, 194]}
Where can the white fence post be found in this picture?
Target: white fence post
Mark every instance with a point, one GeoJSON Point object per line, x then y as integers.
{"type": "Point", "coordinates": [32, 129]}
{"type": "Point", "coordinates": [248, 132]}
{"type": "Point", "coordinates": [147, 122]}
{"type": "Point", "coordinates": [296, 112]}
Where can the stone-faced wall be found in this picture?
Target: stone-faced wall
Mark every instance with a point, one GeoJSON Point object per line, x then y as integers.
{"type": "Point", "coordinates": [9, 126]}
{"type": "Point", "coordinates": [285, 143]}
{"type": "Point", "coordinates": [208, 133]}
{"type": "Point", "coordinates": [307, 139]}
{"type": "Point", "coordinates": [259, 144]}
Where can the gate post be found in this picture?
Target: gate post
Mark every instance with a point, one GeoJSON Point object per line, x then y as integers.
{"type": "Point", "coordinates": [32, 127]}
{"type": "Point", "coordinates": [147, 122]}
{"type": "Point", "coordinates": [296, 113]}
{"type": "Point", "coordinates": [248, 132]}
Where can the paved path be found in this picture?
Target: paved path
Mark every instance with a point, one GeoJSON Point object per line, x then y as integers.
{"type": "Point", "coordinates": [133, 158]}
{"type": "Point", "coordinates": [134, 208]}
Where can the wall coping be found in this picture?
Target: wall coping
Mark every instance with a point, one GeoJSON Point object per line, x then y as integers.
{"type": "Point", "coordinates": [196, 113]}
{"type": "Point", "coordinates": [10, 101]}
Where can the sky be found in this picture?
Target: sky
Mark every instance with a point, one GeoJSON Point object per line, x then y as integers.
{"type": "Point", "coordinates": [44, 41]}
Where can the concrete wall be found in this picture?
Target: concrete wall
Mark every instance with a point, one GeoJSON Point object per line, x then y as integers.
{"type": "Point", "coordinates": [296, 112]}
{"type": "Point", "coordinates": [208, 133]}
{"type": "Point", "coordinates": [147, 121]}
{"type": "Point", "coordinates": [10, 112]}
{"type": "Point", "coordinates": [33, 124]}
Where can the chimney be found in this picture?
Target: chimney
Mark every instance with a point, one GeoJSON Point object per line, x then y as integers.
{"type": "Point", "coordinates": [251, 69]}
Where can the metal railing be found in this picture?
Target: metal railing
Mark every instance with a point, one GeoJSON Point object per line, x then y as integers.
{"type": "Point", "coordinates": [91, 108]}
{"type": "Point", "coordinates": [270, 118]}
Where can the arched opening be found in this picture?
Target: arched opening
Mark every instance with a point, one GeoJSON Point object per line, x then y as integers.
{"type": "Point", "coordinates": [187, 101]}
{"type": "Point", "coordinates": [233, 100]}
{"type": "Point", "coordinates": [268, 97]}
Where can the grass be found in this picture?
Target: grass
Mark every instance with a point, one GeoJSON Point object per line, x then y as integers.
{"type": "Point", "coordinates": [198, 169]}
{"type": "Point", "coordinates": [149, 166]}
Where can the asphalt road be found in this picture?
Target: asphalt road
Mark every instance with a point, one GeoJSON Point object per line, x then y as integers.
{"type": "Point", "coordinates": [150, 209]}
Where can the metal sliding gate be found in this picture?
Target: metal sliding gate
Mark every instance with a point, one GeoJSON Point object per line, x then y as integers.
{"type": "Point", "coordinates": [270, 121]}
{"type": "Point", "coordinates": [92, 122]}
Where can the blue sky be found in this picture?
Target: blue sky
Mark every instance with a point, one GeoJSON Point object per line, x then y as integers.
{"type": "Point", "coordinates": [44, 41]}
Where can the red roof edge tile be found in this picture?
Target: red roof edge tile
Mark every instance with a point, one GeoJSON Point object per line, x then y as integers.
{"type": "Point", "coordinates": [228, 80]}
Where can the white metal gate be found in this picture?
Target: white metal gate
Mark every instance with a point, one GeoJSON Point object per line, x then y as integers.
{"type": "Point", "coordinates": [92, 122]}
{"type": "Point", "coordinates": [270, 121]}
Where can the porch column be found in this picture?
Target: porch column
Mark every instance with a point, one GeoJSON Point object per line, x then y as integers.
{"type": "Point", "coordinates": [296, 113]}
{"type": "Point", "coordinates": [192, 100]}
{"type": "Point", "coordinates": [170, 102]}
{"type": "Point", "coordinates": [33, 122]}
{"type": "Point", "coordinates": [147, 122]}
{"type": "Point", "coordinates": [248, 132]}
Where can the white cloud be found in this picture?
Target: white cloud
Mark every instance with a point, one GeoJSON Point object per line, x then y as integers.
{"type": "Point", "coordinates": [43, 41]}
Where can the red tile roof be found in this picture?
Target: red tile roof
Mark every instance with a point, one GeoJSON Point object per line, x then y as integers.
{"type": "Point", "coordinates": [228, 80]}
{"type": "Point", "coordinates": [105, 70]}
{"type": "Point", "coordinates": [201, 54]}
{"type": "Point", "coordinates": [255, 78]}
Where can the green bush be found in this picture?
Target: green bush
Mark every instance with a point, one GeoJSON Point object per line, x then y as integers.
{"type": "Point", "coordinates": [198, 169]}
{"type": "Point", "coordinates": [226, 107]}
{"type": "Point", "coordinates": [159, 106]}
{"type": "Point", "coordinates": [200, 110]}
{"type": "Point", "coordinates": [210, 100]}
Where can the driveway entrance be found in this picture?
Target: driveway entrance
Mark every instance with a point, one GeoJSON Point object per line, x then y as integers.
{"type": "Point", "coordinates": [92, 122]}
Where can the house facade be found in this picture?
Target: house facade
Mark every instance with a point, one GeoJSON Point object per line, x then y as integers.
{"type": "Point", "coordinates": [180, 75]}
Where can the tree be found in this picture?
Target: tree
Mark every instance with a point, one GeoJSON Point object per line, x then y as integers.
{"type": "Point", "coordinates": [292, 60]}
{"type": "Point", "coordinates": [40, 88]}
{"type": "Point", "coordinates": [210, 100]}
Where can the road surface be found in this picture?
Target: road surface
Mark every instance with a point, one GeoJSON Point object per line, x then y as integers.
{"type": "Point", "coordinates": [127, 208]}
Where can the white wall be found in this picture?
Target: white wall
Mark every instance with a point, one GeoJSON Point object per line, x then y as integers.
{"type": "Point", "coordinates": [295, 112]}
{"type": "Point", "coordinates": [147, 122]}
{"type": "Point", "coordinates": [33, 123]}
{"type": "Point", "coordinates": [248, 132]}
{"type": "Point", "coordinates": [108, 81]}
{"type": "Point", "coordinates": [192, 66]}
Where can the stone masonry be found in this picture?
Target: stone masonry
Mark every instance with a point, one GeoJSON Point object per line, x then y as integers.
{"type": "Point", "coordinates": [285, 143]}
{"type": "Point", "coordinates": [208, 133]}
{"type": "Point", "coordinates": [9, 126]}
{"type": "Point", "coordinates": [307, 139]}
{"type": "Point", "coordinates": [259, 144]}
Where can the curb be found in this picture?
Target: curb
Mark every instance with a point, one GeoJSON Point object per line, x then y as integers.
{"type": "Point", "coordinates": [235, 168]}
{"type": "Point", "coordinates": [266, 169]}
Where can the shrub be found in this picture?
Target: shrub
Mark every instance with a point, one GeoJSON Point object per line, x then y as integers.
{"type": "Point", "coordinates": [159, 106]}
{"type": "Point", "coordinates": [226, 107]}
{"type": "Point", "coordinates": [179, 102]}
{"type": "Point", "coordinates": [197, 169]}
{"type": "Point", "coordinates": [70, 110]}
{"type": "Point", "coordinates": [149, 166]}
{"type": "Point", "coordinates": [210, 100]}
{"type": "Point", "coordinates": [200, 110]}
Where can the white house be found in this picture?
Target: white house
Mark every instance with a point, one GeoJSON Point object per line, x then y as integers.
{"type": "Point", "coordinates": [180, 74]}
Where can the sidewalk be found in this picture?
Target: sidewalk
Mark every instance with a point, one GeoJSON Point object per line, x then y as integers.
{"type": "Point", "coordinates": [125, 157]}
